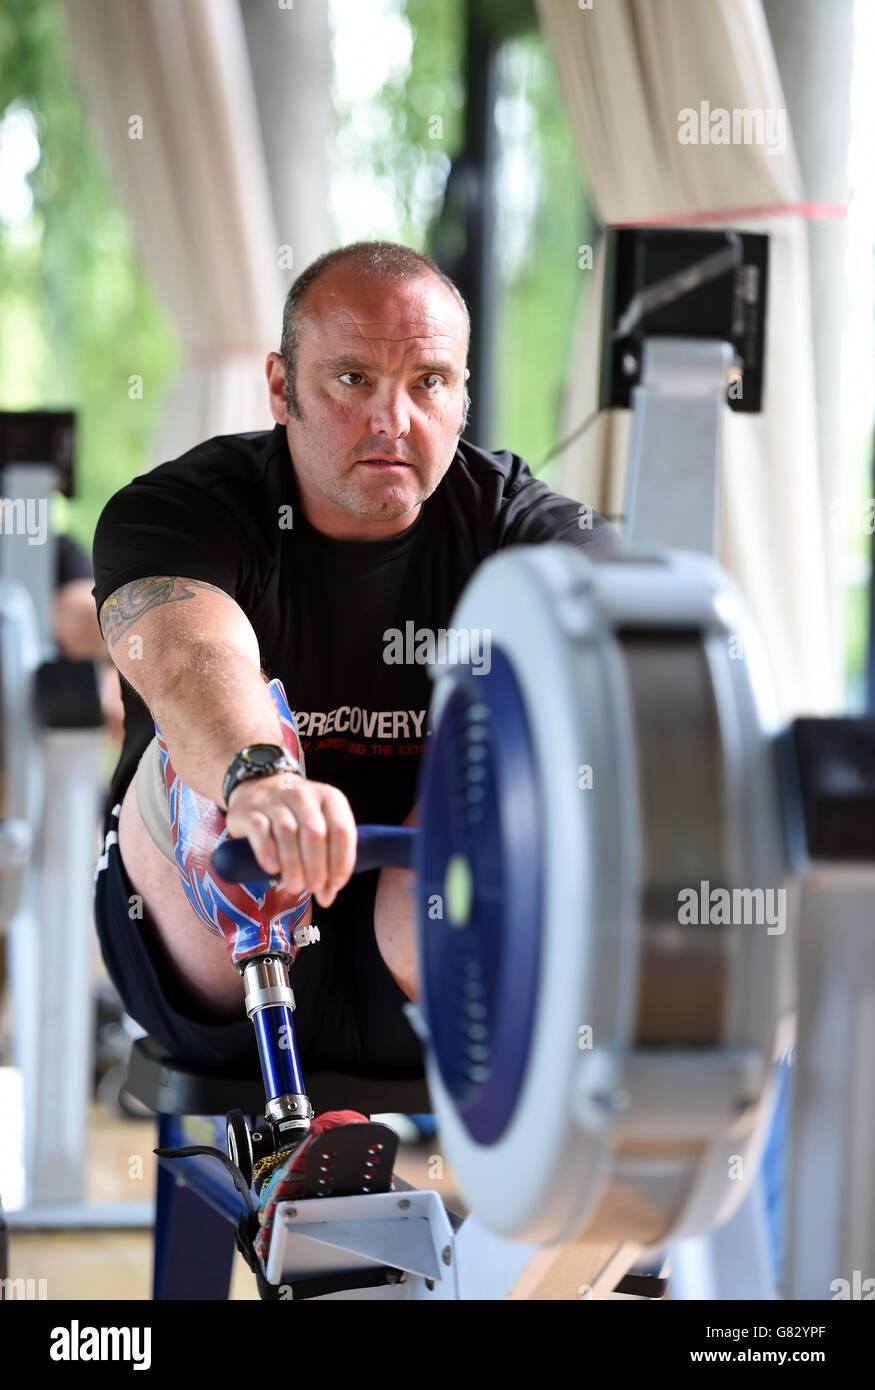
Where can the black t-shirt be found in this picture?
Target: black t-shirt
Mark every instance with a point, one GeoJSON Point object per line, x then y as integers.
{"type": "Point", "coordinates": [226, 513]}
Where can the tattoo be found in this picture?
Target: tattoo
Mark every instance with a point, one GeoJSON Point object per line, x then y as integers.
{"type": "Point", "coordinates": [132, 600]}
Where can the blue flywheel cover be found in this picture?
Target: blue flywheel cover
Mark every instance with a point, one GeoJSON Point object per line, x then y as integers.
{"type": "Point", "coordinates": [480, 875]}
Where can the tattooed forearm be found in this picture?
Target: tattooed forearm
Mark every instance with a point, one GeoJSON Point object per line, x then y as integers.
{"type": "Point", "coordinates": [132, 600]}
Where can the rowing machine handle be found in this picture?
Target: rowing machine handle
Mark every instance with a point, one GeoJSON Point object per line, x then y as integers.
{"type": "Point", "coordinates": [378, 847]}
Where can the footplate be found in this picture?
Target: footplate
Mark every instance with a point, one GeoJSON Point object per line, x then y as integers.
{"type": "Point", "coordinates": [350, 1160]}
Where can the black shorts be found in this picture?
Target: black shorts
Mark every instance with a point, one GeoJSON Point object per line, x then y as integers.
{"type": "Point", "coordinates": [348, 1008]}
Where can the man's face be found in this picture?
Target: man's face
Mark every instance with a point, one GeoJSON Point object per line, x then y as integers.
{"type": "Point", "coordinates": [379, 373]}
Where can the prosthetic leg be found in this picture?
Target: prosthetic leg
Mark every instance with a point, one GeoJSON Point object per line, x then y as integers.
{"type": "Point", "coordinates": [286, 1153]}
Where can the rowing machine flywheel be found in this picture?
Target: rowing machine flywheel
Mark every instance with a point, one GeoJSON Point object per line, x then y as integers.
{"type": "Point", "coordinates": [596, 1057]}
{"type": "Point", "coordinates": [480, 885]}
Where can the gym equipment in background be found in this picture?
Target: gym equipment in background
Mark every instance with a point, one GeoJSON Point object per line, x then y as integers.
{"type": "Point", "coordinates": [51, 746]}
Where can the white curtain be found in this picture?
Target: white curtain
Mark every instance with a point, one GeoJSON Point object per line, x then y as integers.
{"type": "Point", "coordinates": [627, 68]}
{"type": "Point", "coordinates": [191, 175]}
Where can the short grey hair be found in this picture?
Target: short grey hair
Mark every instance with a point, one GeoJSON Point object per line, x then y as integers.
{"type": "Point", "coordinates": [386, 259]}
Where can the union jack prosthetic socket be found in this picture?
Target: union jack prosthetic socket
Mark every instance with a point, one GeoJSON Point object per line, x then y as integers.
{"type": "Point", "coordinates": [254, 919]}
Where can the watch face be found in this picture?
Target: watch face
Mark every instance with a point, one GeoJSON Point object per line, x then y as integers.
{"type": "Point", "coordinates": [262, 754]}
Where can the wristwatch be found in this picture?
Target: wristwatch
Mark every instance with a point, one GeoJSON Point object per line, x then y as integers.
{"type": "Point", "coordinates": [257, 760]}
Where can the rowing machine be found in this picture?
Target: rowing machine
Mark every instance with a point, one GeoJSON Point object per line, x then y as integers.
{"type": "Point", "coordinates": [577, 1030]}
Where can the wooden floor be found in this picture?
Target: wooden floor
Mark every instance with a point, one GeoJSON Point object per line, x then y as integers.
{"type": "Point", "coordinates": [118, 1264]}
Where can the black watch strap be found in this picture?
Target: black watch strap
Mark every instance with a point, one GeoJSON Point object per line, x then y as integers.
{"type": "Point", "coordinates": [257, 760]}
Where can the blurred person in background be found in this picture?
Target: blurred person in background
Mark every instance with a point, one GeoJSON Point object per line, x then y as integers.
{"type": "Point", "coordinates": [77, 631]}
